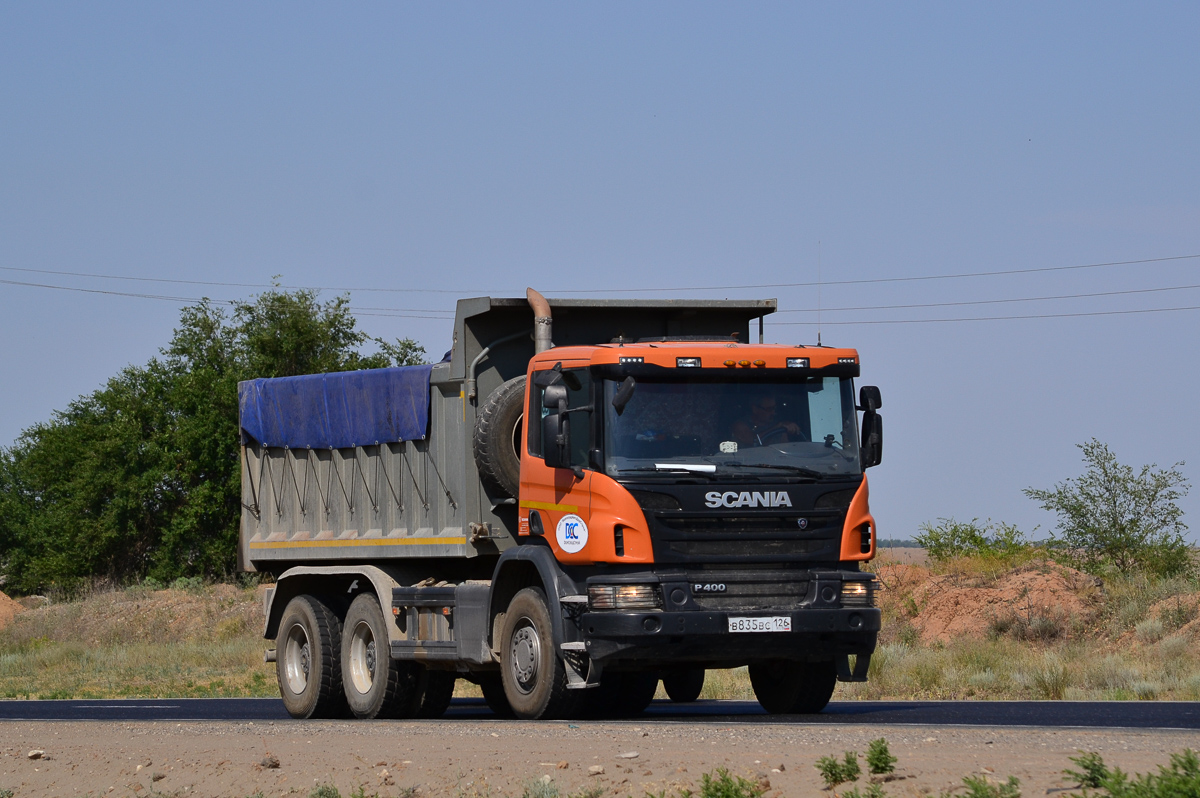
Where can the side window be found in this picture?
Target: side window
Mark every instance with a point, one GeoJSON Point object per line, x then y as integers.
{"type": "Point", "coordinates": [825, 409]}
{"type": "Point", "coordinates": [580, 420]}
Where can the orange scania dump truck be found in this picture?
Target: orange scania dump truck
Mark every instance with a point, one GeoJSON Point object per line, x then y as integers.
{"type": "Point", "coordinates": [583, 499]}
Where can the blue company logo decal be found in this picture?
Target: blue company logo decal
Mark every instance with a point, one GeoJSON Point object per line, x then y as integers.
{"type": "Point", "coordinates": [572, 533]}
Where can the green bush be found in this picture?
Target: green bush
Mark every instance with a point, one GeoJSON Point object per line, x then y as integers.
{"type": "Point", "coordinates": [879, 758]}
{"type": "Point", "coordinates": [836, 771]}
{"type": "Point", "coordinates": [1113, 518]}
{"type": "Point", "coordinates": [721, 784]}
{"type": "Point", "coordinates": [980, 787]}
{"type": "Point", "coordinates": [949, 539]}
{"type": "Point", "coordinates": [1179, 779]}
{"type": "Point", "coordinates": [325, 791]}
{"type": "Point", "coordinates": [1092, 770]}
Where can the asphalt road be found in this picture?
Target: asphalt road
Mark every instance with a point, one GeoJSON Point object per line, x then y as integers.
{"type": "Point", "coordinates": [1094, 714]}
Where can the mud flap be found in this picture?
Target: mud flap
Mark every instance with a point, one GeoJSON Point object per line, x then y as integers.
{"type": "Point", "coordinates": [859, 673]}
{"type": "Point", "coordinates": [582, 673]}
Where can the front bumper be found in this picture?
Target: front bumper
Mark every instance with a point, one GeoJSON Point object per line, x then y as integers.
{"type": "Point", "coordinates": [703, 637]}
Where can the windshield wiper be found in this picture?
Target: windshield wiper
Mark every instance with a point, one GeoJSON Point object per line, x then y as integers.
{"type": "Point", "coordinates": [807, 472]}
{"type": "Point", "coordinates": [708, 471]}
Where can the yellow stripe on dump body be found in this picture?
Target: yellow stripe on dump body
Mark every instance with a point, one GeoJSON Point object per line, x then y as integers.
{"type": "Point", "coordinates": [558, 508]}
{"type": "Point", "coordinates": [308, 544]}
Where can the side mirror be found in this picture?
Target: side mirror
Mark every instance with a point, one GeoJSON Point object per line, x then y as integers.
{"type": "Point", "coordinates": [871, 450]}
{"type": "Point", "coordinates": [556, 427]}
{"type": "Point", "coordinates": [624, 394]}
{"type": "Point", "coordinates": [868, 398]}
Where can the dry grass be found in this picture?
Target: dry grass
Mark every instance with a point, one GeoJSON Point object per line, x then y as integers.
{"type": "Point", "coordinates": [1143, 642]}
{"type": "Point", "coordinates": [138, 643]}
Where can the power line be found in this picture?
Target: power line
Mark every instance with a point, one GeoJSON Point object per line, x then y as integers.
{"type": "Point", "coordinates": [219, 284]}
{"type": "Point", "coordinates": [185, 300]}
{"type": "Point", "coordinates": [864, 281]}
{"type": "Point", "coordinates": [998, 301]}
{"type": "Point", "coordinates": [877, 280]}
{"type": "Point", "coordinates": [986, 318]}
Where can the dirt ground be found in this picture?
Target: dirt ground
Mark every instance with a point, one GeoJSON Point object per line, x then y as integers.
{"type": "Point", "coordinates": [478, 759]}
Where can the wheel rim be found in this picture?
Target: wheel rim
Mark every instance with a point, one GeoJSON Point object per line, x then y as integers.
{"type": "Point", "coordinates": [525, 656]}
{"type": "Point", "coordinates": [362, 657]}
{"type": "Point", "coordinates": [297, 659]}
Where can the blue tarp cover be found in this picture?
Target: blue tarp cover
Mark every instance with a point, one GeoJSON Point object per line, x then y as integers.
{"type": "Point", "coordinates": [341, 410]}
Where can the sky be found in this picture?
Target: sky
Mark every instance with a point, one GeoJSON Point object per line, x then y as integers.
{"type": "Point", "coordinates": [417, 153]}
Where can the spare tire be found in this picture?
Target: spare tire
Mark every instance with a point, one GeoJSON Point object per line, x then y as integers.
{"type": "Point", "coordinates": [498, 437]}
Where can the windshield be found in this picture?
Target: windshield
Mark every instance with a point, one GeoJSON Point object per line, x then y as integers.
{"type": "Point", "coordinates": [803, 427]}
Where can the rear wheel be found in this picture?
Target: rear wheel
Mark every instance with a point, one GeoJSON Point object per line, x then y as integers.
{"type": "Point", "coordinates": [435, 689]}
{"type": "Point", "coordinates": [308, 659]}
{"type": "Point", "coordinates": [493, 693]}
{"type": "Point", "coordinates": [376, 686]}
{"type": "Point", "coordinates": [783, 686]}
{"type": "Point", "coordinates": [535, 678]}
{"type": "Point", "coordinates": [684, 686]}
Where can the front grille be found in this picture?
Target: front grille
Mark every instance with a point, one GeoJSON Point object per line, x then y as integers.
{"type": "Point", "coordinates": [752, 595]}
{"type": "Point", "coordinates": [747, 548]}
{"type": "Point", "coordinates": [767, 537]}
{"type": "Point", "coordinates": [751, 524]}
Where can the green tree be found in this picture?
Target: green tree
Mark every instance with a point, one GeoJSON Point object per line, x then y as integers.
{"type": "Point", "coordinates": [142, 477]}
{"type": "Point", "coordinates": [1113, 517]}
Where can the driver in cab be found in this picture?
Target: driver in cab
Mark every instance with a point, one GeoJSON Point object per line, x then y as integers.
{"type": "Point", "coordinates": [762, 426]}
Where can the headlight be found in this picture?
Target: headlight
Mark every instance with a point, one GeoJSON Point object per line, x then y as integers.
{"type": "Point", "coordinates": [858, 594]}
{"type": "Point", "coordinates": [624, 597]}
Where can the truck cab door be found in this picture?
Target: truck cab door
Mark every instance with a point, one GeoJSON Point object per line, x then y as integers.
{"type": "Point", "coordinates": [560, 498]}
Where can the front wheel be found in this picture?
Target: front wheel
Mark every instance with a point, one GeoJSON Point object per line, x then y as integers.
{"type": "Point", "coordinates": [784, 686]}
{"type": "Point", "coordinates": [308, 660]}
{"type": "Point", "coordinates": [534, 676]}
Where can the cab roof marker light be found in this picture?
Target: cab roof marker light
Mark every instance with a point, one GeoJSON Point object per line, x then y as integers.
{"type": "Point", "coordinates": [760, 363]}
{"type": "Point", "coordinates": [730, 363]}
{"type": "Point", "coordinates": [797, 362]}
{"type": "Point", "coordinates": [743, 363]}
{"type": "Point", "coordinates": [687, 362]}
{"type": "Point", "coordinates": [847, 360]}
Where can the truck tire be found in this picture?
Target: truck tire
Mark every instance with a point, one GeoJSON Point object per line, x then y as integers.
{"type": "Point", "coordinates": [492, 687]}
{"type": "Point", "coordinates": [793, 687]}
{"type": "Point", "coordinates": [435, 689]}
{"type": "Point", "coordinates": [308, 663]}
{"type": "Point", "coordinates": [376, 686]}
{"type": "Point", "coordinates": [684, 686]}
{"type": "Point", "coordinates": [635, 692]}
{"type": "Point", "coordinates": [535, 678]}
{"type": "Point", "coordinates": [620, 695]}
{"type": "Point", "coordinates": [498, 436]}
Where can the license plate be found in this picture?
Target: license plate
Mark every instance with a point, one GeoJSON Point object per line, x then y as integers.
{"type": "Point", "coordinates": [774, 623]}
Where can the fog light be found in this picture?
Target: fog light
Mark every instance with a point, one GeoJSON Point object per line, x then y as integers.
{"type": "Point", "coordinates": [624, 597]}
{"type": "Point", "coordinates": [858, 594]}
